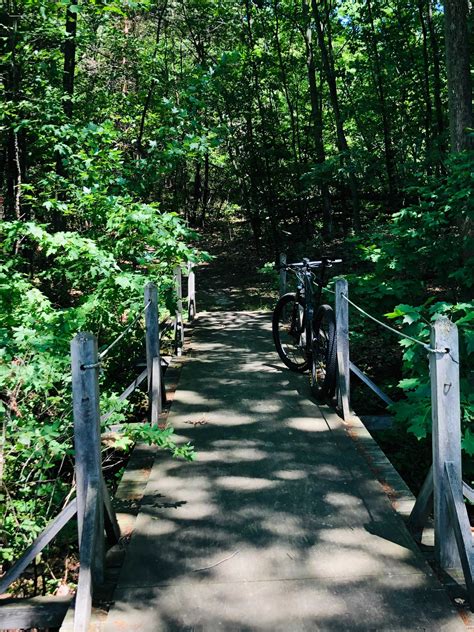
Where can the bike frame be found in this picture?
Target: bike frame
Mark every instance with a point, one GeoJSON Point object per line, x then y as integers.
{"type": "Point", "coordinates": [311, 299]}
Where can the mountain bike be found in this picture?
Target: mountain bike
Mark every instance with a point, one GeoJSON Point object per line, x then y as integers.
{"type": "Point", "coordinates": [304, 329]}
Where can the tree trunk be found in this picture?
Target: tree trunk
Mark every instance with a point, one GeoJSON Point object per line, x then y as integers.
{"type": "Point", "coordinates": [197, 191]}
{"type": "Point", "coordinates": [70, 57]}
{"type": "Point", "coordinates": [436, 72]}
{"type": "Point", "coordinates": [386, 123]}
{"type": "Point", "coordinates": [328, 65]}
{"type": "Point", "coordinates": [205, 191]}
{"type": "Point", "coordinates": [149, 95]}
{"type": "Point", "coordinates": [458, 72]}
{"type": "Point", "coordinates": [426, 81]}
{"type": "Point", "coordinates": [317, 119]}
{"type": "Point", "coordinates": [266, 133]}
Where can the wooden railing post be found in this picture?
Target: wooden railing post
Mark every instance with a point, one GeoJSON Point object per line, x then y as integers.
{"type": "Point", "coordinates": [153, 360]}
{"type": "Point", "coordinates": [88, 469]}
{"type": "Point", "coordinates": [445, 403]}
{"type": "Point", "coordinates": [282, 273]}
{"type": "Point", "coordinates": [342, 342]}
{"type": "Point", "coordinates": [191, 292]}
{"type": "Point", "coordinates": [179, 330]}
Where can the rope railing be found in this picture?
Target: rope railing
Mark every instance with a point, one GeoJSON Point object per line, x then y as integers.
{"type": "Point", "coordinates": [399, 333]}
{"type": "Point", "coordinates": [128, 328]}
{"type": "Point", "coordinates": [95, 514]}
{"type": "Point", "coordinates": [443, 488]}
{"type": "Point", "coordinates": [394, 331]}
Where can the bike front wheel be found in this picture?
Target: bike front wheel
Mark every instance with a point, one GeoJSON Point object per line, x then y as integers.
{"type": "Point", "coordinates": [323, 372]}
{"type": "Point", "coordinates": [288, 332]}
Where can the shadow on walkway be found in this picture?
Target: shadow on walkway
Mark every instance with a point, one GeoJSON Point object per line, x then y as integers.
{"type": "Point", "coordinates": [279, 524]}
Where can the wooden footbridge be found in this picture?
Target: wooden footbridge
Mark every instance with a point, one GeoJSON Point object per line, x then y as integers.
{"type": "Point", "coordinates": [280, 523]}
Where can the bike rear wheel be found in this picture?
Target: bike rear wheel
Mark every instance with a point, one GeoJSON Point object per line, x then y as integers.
{"type": "Point", "coordinates": [288, 332]}
{"type": "Point", "coordinates": [323, 373]}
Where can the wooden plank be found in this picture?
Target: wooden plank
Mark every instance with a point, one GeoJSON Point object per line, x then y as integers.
{"type": "Point", "coordinates": [283, 273]}
{"type": "Point", "coordinates": [87, 439]}
{"type": "Point", "coordinates": [152, 332]}
{"type": "Point", "coordinates": [461, 525]}
{"type": "Point", "coordinates": [45, 537]}
{"type": "Point", "coordinates": [35, 612]}
{"type": "Point", "coordinates": [446, 414]}
{"type": "Point", "coordinates": [342, 347]}
{"type": "Point", "coordinates": [156, 400]}
{"type": "Point", "coordinates": [468, 492]}
{"type": "Point", "coordinates": [127, 392]}
{"type": "Point", "coordinates": [422, 507]}
{"type": "Point", "coordinates": [179, 329]}
{"type": "Point", "coordinates": [152, 329]}
{"type": "Point", "coordinates": [378, 391]}
{"type": "Point", "coordinates": [112, 528]}
{"type": "Point", "coordinates": [83, 603]}
{"type": "Point", "coordinates": [191, 291]}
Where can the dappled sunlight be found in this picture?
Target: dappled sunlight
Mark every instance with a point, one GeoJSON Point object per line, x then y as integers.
{"type": "Point", "coordinates": [235, 455]}
{"type": "Point", "coordinates": [240, 483]}
{"type": "Point", "coordinates": [154, 526]}
{"type": "Point", "coordinates": [277, 525]}
{"type": "Point", "coordinates": [308, 425]}
{"type": "Point", "coordinates": [290, 475]}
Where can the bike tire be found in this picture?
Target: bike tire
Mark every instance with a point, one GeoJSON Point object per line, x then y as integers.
{"type": "Point", "coordinates": [323, 373]}
{"type": "Point", "coordinates": [287, 329]}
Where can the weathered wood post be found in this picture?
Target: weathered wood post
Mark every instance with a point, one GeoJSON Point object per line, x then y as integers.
{"type": "Point", "coordinates": [282, 273]}
{"type": "Point", "coordinates": [191, 292]}
{"type": "Point", "coordinates": [153, 361]}
{"type": "Point", "coordinates": [88, 469]}
{"type": "Point", "coordinates": [446, 407]}
{"type": "Point", "coordinates": [342, 346]}
{"type": "Point", "coordinates": [179, 331]}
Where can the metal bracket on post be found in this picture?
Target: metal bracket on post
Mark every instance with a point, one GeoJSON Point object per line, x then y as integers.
{"type": "Point", "coordinates": [342, 346]}
{"type": "Point", "coordinates": [153, 360]}
{"type": "Point", "coordinates": [282, 273]}
{"type": "Point", "coordinates": [191, 292]}
{"type": "Point", "coordinates": [178, 325]}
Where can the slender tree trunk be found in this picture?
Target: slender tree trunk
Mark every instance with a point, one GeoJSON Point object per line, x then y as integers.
{"type": "Point", "coordinates": [70, 57]}
{"type": "Point", "coordinates": [317, 119]}
{"type": "Point", "coordinates": [284, 79]}
{"type": "Point", "coordinates": [126, 30]}
{"type": "Point", "coordinates": [151, 87]}
{"type": "Point", "coordinates": [266, 133]}
{"type": "Point", "coordinates": [16, 148]}
{"type": "Point", "coordinates": [197, 190]}
{"type": "Point", "coordinates": [205, 191]}
{"type": "Point", "coordinates": [458, 72]}
{"type": "Point", "coordinates": [386, 123]}
{"type": "Point", "coordinates": [11, 80]}
{"type": "Point", "coordinates": [329, 70]}
{"type": "Point", "coordinates": [435, 56]}
{"type": "Point", "coordinates": [291, 112]}
{"type": "Point", "coordinates": [426, 79]}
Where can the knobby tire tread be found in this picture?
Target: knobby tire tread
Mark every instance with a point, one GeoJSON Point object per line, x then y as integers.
{"type": "Point", "coordinates": [327, 388]}
{"type": "Point", "coordinates": [290, 297]}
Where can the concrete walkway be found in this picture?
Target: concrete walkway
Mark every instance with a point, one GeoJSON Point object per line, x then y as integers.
{"type": "Point", "coordinates": [279, 525]}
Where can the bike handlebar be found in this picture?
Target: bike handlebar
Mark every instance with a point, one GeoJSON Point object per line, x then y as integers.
{"type": "Point", "coordinates": [306, 263]}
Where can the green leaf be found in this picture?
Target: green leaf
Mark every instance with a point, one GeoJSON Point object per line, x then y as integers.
{"type": "Point", "coordinates": [409, 384]}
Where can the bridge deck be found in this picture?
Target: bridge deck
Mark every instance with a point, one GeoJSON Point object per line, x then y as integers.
{"type": "Point", "coordinates": [279, 525]}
